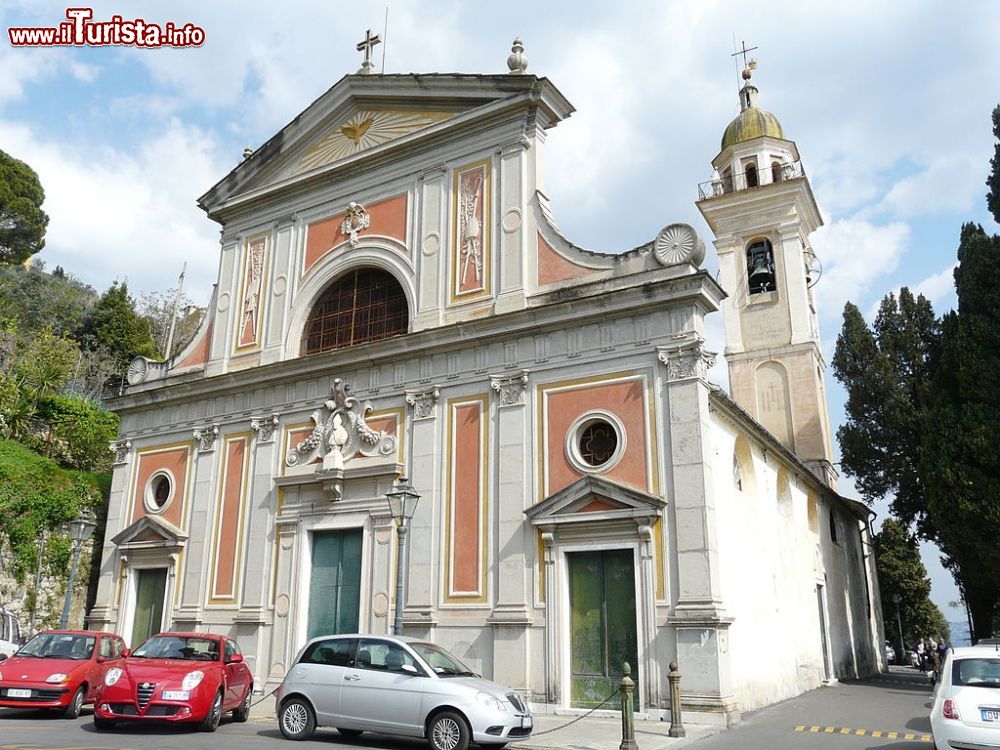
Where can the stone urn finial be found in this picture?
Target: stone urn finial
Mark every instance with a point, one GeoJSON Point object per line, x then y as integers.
{"type": "Point", "coordinates": [517, 62]}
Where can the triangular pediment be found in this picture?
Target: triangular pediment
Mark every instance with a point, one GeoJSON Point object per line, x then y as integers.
{"type": "Point", "coordinates": [367, 115]}
{"type": "Point", "coordinates": [150, 531]}
{"type": "Point", "coordinates": [593, 498]}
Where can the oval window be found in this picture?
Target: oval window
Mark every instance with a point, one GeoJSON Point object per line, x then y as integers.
{"type": "Point", "coordinates": [159, 491]}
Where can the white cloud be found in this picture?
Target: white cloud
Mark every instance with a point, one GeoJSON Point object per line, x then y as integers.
{"type": "Point", "coordinates": [938, 287]}
{"type": "Point", "coordinates": [855, 254]}
{"type": "Point", "coordinates": [947, 185]}
{"type": "Point", "coordinates": [127, 215]}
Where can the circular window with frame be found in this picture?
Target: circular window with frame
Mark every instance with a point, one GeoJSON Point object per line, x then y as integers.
{"type": "Point", "coordinates": [595, 442]}
{"type": "Point", "coordinates": [159, 492]}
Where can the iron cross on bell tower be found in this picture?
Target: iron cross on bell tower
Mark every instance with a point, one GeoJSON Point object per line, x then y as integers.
{"type": "Point", "coordinates": [366, 45]}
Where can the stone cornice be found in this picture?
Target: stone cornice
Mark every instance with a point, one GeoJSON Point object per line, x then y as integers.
{"type": "Point", "coordinates": [556, 315]}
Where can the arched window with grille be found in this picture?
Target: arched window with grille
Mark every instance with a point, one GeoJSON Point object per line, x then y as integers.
{"type": "Point", "coordinates": [366, 304]}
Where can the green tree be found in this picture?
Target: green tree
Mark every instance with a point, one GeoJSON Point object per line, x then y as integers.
{"type": "Point", "coordinates": [115, 326]}
{"type": "Point", "coordinates": [38, 299]}
{"type": "Point", "coordinates": [36, 495]}
{"type": "Point", "coordinates": [993, 181]}
{"type": "Point", "coordinates": [886, 372]}
{"type": "Point", "coordinates": [22, 220]}
{"type": "Point", "coordinates": [78, 432]}
{"type": "Point", "coordinates": [962, 430]}
{"type": "Point", "coordinates": [901, 572]}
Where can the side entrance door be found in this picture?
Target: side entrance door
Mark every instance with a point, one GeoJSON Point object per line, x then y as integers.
{"type": "Point", "coordinates": [602, 624]}
{"type": "Point", "coordinates": [150, 588]}
{"type": "Point", "coordinates": [335, 584]}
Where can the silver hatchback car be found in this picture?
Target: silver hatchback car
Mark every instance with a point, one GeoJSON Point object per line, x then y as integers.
{"type": "Point", "coordinates": [396, 685]}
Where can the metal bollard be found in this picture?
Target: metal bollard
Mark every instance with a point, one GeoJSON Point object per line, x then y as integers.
{"type": "Point", "coordinates": [676, 725]}
{"type": "Point", "coordinates": [628, 718]}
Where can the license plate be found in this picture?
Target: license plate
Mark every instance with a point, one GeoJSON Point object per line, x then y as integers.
{"type": "Point", "coordinates": [176, 695]}
{"type": "Point", "coordinates": [990, 714]}
{"type": "Point", "coordinates": [17, 693]}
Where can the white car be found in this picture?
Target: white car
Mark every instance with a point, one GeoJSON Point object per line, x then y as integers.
{"type": "Point", "coordinates": [966, 711]}
{"type": "Point", "coordinates": [397, 685]}
{"type": "Point", "coordinates": [10, 634]}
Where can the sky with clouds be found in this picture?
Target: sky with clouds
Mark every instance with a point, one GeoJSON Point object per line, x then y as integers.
{"type": "Point", "coordinates": [889, 103]}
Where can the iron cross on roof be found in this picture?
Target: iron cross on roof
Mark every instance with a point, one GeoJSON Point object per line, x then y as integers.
{"type": "Point", "coordinates": [746, 66]}
{"type": "Point", "coordinates": [366, 45]}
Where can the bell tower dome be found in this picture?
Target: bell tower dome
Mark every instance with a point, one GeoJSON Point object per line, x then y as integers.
{"type": "Point", "coordinates": [761, 208]}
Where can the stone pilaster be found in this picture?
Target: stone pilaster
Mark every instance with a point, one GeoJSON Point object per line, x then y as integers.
{"type": "Point", "coordinates": [510, 617]}
{"type": "Point", "coordinates": [425, 476]}
{"type": "Point", "coordinates": [698, 613]}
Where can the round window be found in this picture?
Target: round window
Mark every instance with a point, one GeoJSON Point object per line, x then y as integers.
{"type": "Point", "coordinates": [596, 442]}
{"type": "Point", "coordinates": [159, 491]}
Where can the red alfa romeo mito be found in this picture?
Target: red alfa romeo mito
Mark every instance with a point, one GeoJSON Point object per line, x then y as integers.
{"type": "Point", "coordinates": [59, 669]}
{"type": "Point", "coordinates": [177, 677]}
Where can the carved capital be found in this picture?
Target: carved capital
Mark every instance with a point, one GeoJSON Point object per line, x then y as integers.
{"type": "Point", "coordinates": [206, 437]}
{"type": "Point", "coordinates": [264, 427]}
{"type": "Point", "coordinates": [686, 357]}
{"type": "Point", "coordinates": [424, 403]}
{"type": "Point", "coordinates": [121, 449]}
{"type": "Point", "coordinates": [510, 388]}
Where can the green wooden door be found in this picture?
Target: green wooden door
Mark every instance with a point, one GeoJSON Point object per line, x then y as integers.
{"type": "Point", "coordinates": [602, 623]}
{"type": "Point", "coordinates": [150, 586]}
{"type": "Point", "coordinates": [335, 584]}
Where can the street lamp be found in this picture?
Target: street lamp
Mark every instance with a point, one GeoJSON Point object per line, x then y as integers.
{"type": "Point", "coordinates": [80, 529]}
{"type": "Point", "coordinates": [402, 504]}
{"type": "Point", "coordinates": [896, 599]}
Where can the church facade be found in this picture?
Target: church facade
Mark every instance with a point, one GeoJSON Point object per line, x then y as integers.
{"type": "Point", "coordinates": [394, 299]}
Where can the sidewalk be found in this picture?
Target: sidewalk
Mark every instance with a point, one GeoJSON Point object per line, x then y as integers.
{"type": "Point", "coordinates": [555, 732]}
{"type": "Point", "coordinates": [605, 734]}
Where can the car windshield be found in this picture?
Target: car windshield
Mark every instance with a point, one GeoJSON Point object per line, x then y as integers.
{"type": "Point", "coordinates": [445, 664]}
{"type": "Point", "coordinates": [59, 646]}
{"type": "Point", "coordinates": [178, 647]}
{"type": "Point", "coordinates": [976, 672]}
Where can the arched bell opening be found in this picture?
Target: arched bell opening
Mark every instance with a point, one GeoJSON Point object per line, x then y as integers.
{"type": "Point", "coordinates": [760, 266]}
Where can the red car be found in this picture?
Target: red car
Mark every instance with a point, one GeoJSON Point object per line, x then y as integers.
{"type": "Point", "coordinates": [177, 677]}
{"type": "Point", "coordinates": [59, 669]}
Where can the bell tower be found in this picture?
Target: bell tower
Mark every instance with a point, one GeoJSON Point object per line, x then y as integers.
{"type": "Point", "coordinates": [762, 211]}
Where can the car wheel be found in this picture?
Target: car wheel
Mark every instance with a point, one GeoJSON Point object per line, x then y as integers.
{"type": "Point", "coordinates": [72, 711]}
{"type": "Point", "coordinates": [349, 733]}
{"type": "Point", "coordinates": [297, 720]}
{"type": "Point", "coordinates": [242, 713]}
{"type": "Point", "coordinates": [102, 724]}
{"type": "Point", "coordinates": [448, 731]}
{"type": "Point", "coordinates": [211, 721]}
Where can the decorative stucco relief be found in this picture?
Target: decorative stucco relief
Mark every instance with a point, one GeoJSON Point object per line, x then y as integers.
{"type": "Point", "coordinates": [340, 432]}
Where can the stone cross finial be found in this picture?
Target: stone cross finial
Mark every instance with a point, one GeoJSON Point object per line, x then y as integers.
{"type": "Point", "coordinates": [366, 45]}
{"type": "Point", "coordinates": [517, 62]}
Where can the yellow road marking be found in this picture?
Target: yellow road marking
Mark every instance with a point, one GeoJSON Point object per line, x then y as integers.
{"type": "Point", "coordinates": [876, 733]}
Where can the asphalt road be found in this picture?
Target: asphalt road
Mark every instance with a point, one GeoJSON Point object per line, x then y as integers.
{"type": "Point", "coordinates": [885, 713]}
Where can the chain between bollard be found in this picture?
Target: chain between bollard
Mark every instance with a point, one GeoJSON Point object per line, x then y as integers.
{"type": "Point", "coordinates": [264, 698]}
{"type": "Point", "coordinates": [577, 718]}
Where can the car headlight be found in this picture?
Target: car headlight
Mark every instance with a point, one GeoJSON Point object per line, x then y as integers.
{"type": "Point", "coordinates": [113, 675]}
{"type": "Point", "coordinates": [57, 677]}
{"type": "Point", "coordinates": [192, 679]}
{"type": "Point", "coordinates": [488, 700]}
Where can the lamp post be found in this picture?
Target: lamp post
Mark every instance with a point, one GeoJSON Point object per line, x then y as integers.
{"type": "Point", "coordinates": [402, 504]}
{"type": "Point", "coordinates": [80, 529]}
{"type": "Point", "coordinates": [896, 599]}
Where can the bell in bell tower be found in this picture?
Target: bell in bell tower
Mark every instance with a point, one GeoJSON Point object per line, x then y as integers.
{"type": "Point", "coordinates": [761, 208]}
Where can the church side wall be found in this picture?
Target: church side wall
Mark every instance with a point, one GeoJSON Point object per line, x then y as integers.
{"type": "Point", "coordinates": [769, 560]}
